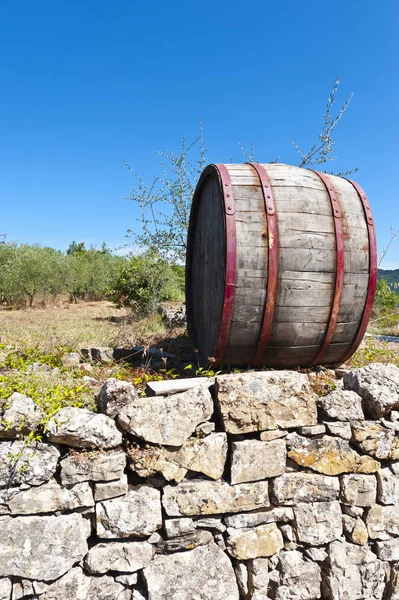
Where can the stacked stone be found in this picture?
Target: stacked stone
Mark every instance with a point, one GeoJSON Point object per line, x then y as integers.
{"type": "Point", "coordinates": [247, 487]}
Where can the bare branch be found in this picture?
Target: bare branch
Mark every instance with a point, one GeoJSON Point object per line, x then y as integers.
{"type": "Point", "coordinates": [322, 152]}
{"type": "Point", "coordinates": [394, 233]}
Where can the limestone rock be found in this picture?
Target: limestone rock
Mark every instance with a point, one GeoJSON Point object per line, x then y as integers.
{"type": "Point", "coordinates": [318, 523]}
{"type": "Point", "coordinates": [358, 490]}
{"type": "Point", "coordinates": [177, 527]}
{"type": "Point", "coordinates": [213, 523]}
{"type": "Point", "coordinates": [204, 573]}
{"type": "Point", "coordinates": [312, 430]}
{"type": "Point", "coordinates": [383, 521]}
{"type": "Point", "coordinates": [355, 530]}
{"type": "Point", "coordinates": [205, 428]}
{"type": "Point", "coordinates": [25, 587]}
{"type": "Point", "coordinates": [127, 580]}
{"type": "Point", "coordinates": [32, 464]}
{"type": "Point", "coordinates": [189, 541]}
{"type": "Point", "coordinates": [173, 315]}
{"type": "Point", "coordinates": [292, 488]}
{"type": "Point", "coordinates": [75, 585]}
{"type": "Point", "coordinates": [300, 579]}
{"type": "Point", "coordinates": [167, 420]}
{"type": "Point", "coordinates": [254, 460]}
{"type": "Point", "coordinates": [375, 440]}
{"type": "Point", "coordinates": [124, 557]}
{"type": "Point", "coordinates": [393, 585]}
{"type": "Point", "coordinates": [341, 405]}
{"type": "Point", "coordinates": [241, 571]}
{"type": "Point", "coordinates": [93, 466]}
{"type": "Point", "coordinates": [352, 511]}
{"type": "Point", "coordinates": [258, 578]}
{"type": "Point", "coordinates": [115, 395]}
{"type": "Point", "coordinates": [378, 385]}
{"type": "Point", "coordinates": [81, 428]}
{"type": "Point", "coordinates": [71, 359]}
{"type": "Point", "coordinates": [278, 514]}
{"type": "Point", "coordinates": [102, 354]}
{"type": "Point", "coordinates": [387, 487]}
{"type": "Point", "coordinates": [110, 489]}
{"type": "Point", "coordinates": [328, 455]}
{"type": "Point", "coordinates": [19, 415]}
{"type": "Point", "coordinates": [275, 434]}
{"type": "Point", "coordinates": [316, 554]}
{"type": "Point", "coordinates": [5, 588]}
{"type": "Point", "coordinates": [136, 514]}
{"type": "Point", "coordinates": [49, 497]}
{"type": "Point", "coordinates": [388, 550]}
{"type": "Point", "coordinates": [353, 573]}
{"type": "Point", "coordinates": [262, 541]}
{"type": "Point", "coordinates": [42, 548]}
{"type": "Point", "coordinates": [265, 400]}
{"type": "Point", "coordinates": [204, 455]}
{"type": "Point", "coordinates": [339, 428]}
{"type": "Point", "coordinates": [213, 497]}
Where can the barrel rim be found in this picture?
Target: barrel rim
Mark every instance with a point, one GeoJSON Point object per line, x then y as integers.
{"type": "Point", "coordinates": [373, 269]}
{"type": "Point", "coordinates": [230, 263]}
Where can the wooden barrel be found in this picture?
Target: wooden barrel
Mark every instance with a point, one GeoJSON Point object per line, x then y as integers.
{"type": "Point", "coordinates": [281, 266]}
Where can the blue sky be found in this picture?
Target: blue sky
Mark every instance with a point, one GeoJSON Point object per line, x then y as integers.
{"type": "Point", "coordinates": [88, 84]}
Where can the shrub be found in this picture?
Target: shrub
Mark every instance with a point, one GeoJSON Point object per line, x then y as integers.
{"type": "Point", "coordinates": [146, 280]}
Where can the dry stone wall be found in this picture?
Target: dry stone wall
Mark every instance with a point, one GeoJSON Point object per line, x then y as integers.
{"type": "Point", "coordinates": [247, 487]}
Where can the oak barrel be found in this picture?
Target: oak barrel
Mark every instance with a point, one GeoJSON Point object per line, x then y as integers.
{"type": "Point", "coordinates": [281, 266]}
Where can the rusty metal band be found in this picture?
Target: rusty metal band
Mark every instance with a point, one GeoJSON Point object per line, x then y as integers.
{"type": "Point", "coordinates": [272, 269]}
{"type": "Point", "coordinates": [231, 263]}
{"type": "Point", "coordinates": [340, 267]}
{"type": "Point", "coordinates": [373, 268]}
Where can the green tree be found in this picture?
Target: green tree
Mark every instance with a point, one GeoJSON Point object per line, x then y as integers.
{"type": "Point", "coordinates": [146, 280]}
{"type": "Point", "coordinates": [76, 248]}
{"type": "Point", "coordinates": [28, 271]}
{"type": "Point", "coordinates": [385, 309]}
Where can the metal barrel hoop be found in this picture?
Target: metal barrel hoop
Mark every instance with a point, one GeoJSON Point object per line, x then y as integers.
{"type": "Point", "coordinates": [373, 269]}
{"type": "Point", "coordinates": [231, 263]}
{"type": "Point", "coordinates": [340, 267]}
{"type": "Point", "coordinates": [272, 270]}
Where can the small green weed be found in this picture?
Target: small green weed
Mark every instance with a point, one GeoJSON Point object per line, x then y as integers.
{"type": "Point", "coordinates": [201, 372]}
{"type": "Point", "coordinates": [21, 359]}
{"type": "Point", "coordinates": [46, 391]}
{"type": "Point", "coordinates": [374, 351]}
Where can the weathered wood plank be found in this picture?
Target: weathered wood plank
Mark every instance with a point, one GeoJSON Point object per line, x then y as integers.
{"type": "Point", "coordinates": [282, 175]}
{"type": "Point", "coordinates": [300, 334]}
{"type": "Point", "coordinates": [308, 200]}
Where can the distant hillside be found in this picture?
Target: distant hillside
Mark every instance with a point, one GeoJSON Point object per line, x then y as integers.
{"type": "Point", "coordinates": [391, 277]}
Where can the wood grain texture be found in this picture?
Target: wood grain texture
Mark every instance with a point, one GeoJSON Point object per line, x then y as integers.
{"type": "Point", "coordinates": [206, 287]}
{"type": "Point", "coordinates": [307, 267]}
{"type": "Point", "coordinates": [252, 262]}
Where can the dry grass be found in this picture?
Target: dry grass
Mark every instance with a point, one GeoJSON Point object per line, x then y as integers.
{"type": "Point", "coordinates": [86, 324]}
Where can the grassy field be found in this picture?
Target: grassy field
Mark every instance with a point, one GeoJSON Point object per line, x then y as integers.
{"type": "Point", "coordinates": [76, 326]}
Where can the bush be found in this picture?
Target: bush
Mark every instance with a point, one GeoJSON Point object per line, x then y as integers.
{"type": "Point", "coordinates": [385, 309]}
{"type": "Point", "coordinates": [146, 280]}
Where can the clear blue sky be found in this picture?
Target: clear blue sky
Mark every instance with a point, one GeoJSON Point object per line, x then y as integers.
{"type": "Point", "coordinates": [87, 84]}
